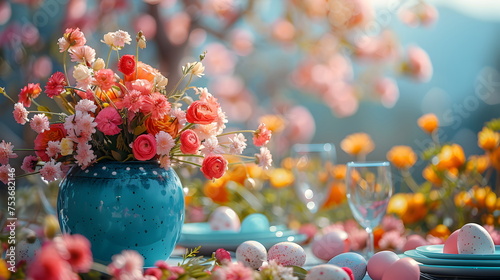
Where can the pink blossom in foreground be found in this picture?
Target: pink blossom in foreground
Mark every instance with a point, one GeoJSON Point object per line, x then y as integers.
{"type": "Point", "coordinates": [6, 152]}
{"type": "Point", "coordinates": [48, 264]}
{"type": "Point", "coordinates": [388, 91]}
{"type": "Point", "coordinates": [108, 121]}
{"type": "Point", "coordinates": [238, 271]}
{"type": "Point", "coordinates": [117, 40]}
{"type": "Point", "coordinates": [392, 240]}
{"type": "Point", "coordinates": [164, 143]}
{"type": "Point", "coordinates": [75, 249]}
{"type": "Point", "coordinates": [53, 148]}
{"type": "Point", "coordinates": [264, 158]}
{"type": "Point", "coordinates": [165, 162]}
{"type": "Point", "coordinates": [51, 171]}
{"type": "Point", "coordinates": [20, 113]}
{"type": "Point", "coordinates": [222, 256]}
{"type": "Point", "coordinates": [82, 54]}
{"type": "Point", "coordinates": [419, 64]}
{"type": "Point", "coordinates": [5, 173]}
{"type": "Point", "coordinates": [84, 155]}
{"type": "Point", "coordinates": [157, 105]}
{"type": "Point", "coordinates": [105, 79]}
{"type": "Point", "coordinates": [55, 85]}
{"type": "Point", "coordinates": [29, 163]}
{"type": "Point", "coordinates": [261, 136]}
{"type": "Point", "coordinates": [39, 123]}
{"type": "Point", "coordinates": [127, 265]}
{"type": "Point", "coordinates": [83, 77]}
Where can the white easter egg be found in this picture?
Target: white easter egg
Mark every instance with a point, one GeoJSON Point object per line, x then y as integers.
{"type": "Point", "coordinates": [287, 253]}
{"type": "Point", "coordinates": [474, 239]}
{"type": "Point", "coordinates": [327, 272]}
{"type": "Point", "coordinates": [224, 218]}
{"type": "Point", "coordinates": [251, 253]}
{"type": "Point", "coordinates": [354, 261]}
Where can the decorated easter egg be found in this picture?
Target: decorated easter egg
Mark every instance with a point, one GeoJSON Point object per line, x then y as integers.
{"type": "Point", "coordinates": [287, 253]}
{"type": "Point", "coordinates": [251, 253]}
{"type": "Point", "coordinates": [327, 272]}
{"type": "Point", "coordinates": [224, 218]}
{"type": "Point", "coordinates": [379, 262]}
{"type": "Point", "coordinates": [405, 268]}
{"type": "Point", "coordinates": [255, 223]}
{"type": "Point", "coordinates": [474, 239]}
{"type": "Point", "coordinates": [330, 245]}
{"type": "Point", "coordinates": [451, 244]}
{"type": "Point", "coordinates": [354, 261]}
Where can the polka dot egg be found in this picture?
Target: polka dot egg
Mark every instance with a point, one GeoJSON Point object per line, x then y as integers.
{"type": "Point", "coordinates": [224, 218]}
{"type": "Point", "coordinates": [251, 253]}
{"type": "Point", "coordinates": [354, 261]}
{"type": "Point", "coordinates": [474, 239]}
{"type": "Point", "coordinates": [327, 272]}
{"type": "Point", "coordinates": [287, 253]}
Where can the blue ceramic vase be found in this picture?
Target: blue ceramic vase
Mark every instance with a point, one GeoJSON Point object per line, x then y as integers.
{"type": "Point", "coordinates": [123, 206]}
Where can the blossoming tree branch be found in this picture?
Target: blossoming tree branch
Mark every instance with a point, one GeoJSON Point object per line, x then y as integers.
{"type": "Point", "coordinates": [124, 115]}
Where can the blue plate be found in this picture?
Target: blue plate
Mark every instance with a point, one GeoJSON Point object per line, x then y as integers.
{"type": "Point", "coordinates": [436, 251]}
{"type": "Point", "coordinates": [453, 271]}
{"type": "Point", "coordinates": [414, 254]}
{"type": "Point", "coordinates": [200, 234]}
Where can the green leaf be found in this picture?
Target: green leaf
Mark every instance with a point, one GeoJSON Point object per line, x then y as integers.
{"type": "Point", "coordinates": [44, 109]}
{"type": "Point", "coordinates": [494, 124]}
{"type": "Point", "coordinates": [116, 155]}
{"type": "Point", "coordinates": [138, 130]}
{"type": "Point", "coordinates": [299, 272]}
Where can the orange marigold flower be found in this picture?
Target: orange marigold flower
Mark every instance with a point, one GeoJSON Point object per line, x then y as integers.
{"type": "Point", "coordinates": [402, 157]}
{"type": "Point", "coordinates": [478, 163]}
{"type": "Point", "coordinates": [216, 190]}
{"type": "Point", "coordinates": [168, 124]}
{"type": "Point", "coordinates": [428, 123]}
{"type": "Point", "coordinates": [487, 139]}
{"type": "Point", "coordinates": [339, 171]}
{"type": "Point", "coordinates": [336, 195]}
{"type": "Point", "coordinates": [274, 123]}
{"type": "Point", "coordinates": [280, 178]}
{"type": "Point", "coordinates": [450, 156]}
{"type": "Point", "coordinates": [430, 174]}
{"type": "Point", "coordinates": [440, 231]}
{"type": "Point", "coordinates": [462, 199]}
{"type": "Point", "coordinates": [495, 158]}
{"type": "Point", "coordinates": [357, 144]}
{"type": "Point", "coordinates": [398, 204]}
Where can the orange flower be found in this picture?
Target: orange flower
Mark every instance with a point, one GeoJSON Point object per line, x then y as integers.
{"type": "Point", "coordinates": [144, 72]}
{"type": "Point", "coordinates": [478, 163]}
{"type": "Point", "coordinates": [428, 123]}
{"type": "Point", "coordinates": [416, 210]}
{"type": "Point", "coordinates": [495, 158]}
{"type": "Point", "coordinates": [168, 124]}
{"type": "Point", "coordinates": [440, 231]}
{"type": "Point", "coordinates": [357, 144]}
{"type": "Point", "coordinates": [274, 123]}
{"type": "Point", "coordinates": [339, 171]}
{"type": "Point", "coordinates": [281, 178]}
{"type": "Point", "coordinates": [462, 199]}
{"type": "Point", "coordinates": [238, 173]}
{"type": "Point", "coordinates": [402, 157]}
{"type": "Point", "coordinates": [488, 139]}
{"type": "Point", "coordinates": [217, 191]}
{"type": "Point", "coordinates": [398, 204]}
{"type": "Point", "coordinates": [450, 156]}
{"type": "Point", "coordinates": [430, 174]}
{"type": "Point", "coordinates": [336, 195]}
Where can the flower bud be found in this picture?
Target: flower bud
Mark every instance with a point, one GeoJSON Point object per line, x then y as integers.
{"type": "Point", "coordinates": [50, 226]}
{"type": "Point", "coordinates": [98, 64]}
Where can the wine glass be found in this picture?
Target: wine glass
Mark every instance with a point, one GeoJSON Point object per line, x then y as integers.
{"type": "Point", "coordinates": [312, 170]}
{"type": "Point", "coordinates": [369, 188]}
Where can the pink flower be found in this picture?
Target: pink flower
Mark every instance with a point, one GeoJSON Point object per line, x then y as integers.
{"type": "Point", "coordinates": [6, 152]}
{"type": "Point", "coordinates": [53, 148]}
{"type": "Point", "coordinates": [73, 37]}
{"type": "Point", "coordinates": [55, 85]}
{"type": "Point", "coordinates": [134, 101]}
{"type": "Point", "coordinates": [108, 121]}
{"type": "Point", "coordinates": [261, 136]}
{"type": "Point", "coordinates": [211, 146]}
{"type": "Point", "coordinates": [51, 171]}
{"type": "Point", "coordinates": [39, 123]}
{"type": "Point", "coordinates": [190, 143]}
{"type": "Point", "coordinates": [419, 64]}
{"type": "Point", "coordinates": [105, 79]}
{"type": "Point", "coordinates": [164, 143]}
{"type": "Point", "coordinates": [85, 106]}
{"type": "Point", "coordinates": [391, 223]}
{"type": "Point", "coordinates": [82, 54]}
{"type": "Point", "coordinates": [29, 163]}
{"type": "Point", "coordinates": [75, 249]}
{"type": "Point", "coordinates": [214, 166]}
{"type": "Point", "coordinates": [392, 240]}
{"type": "Point", "coordinates": [222, 256]}
{"type": "Point", "coordinates": [238, 271]}
{"type": "Point", "coordinates": [153, 271]}
{"type": "Point", "coordinates": [165, 162]}
{"type": "Point", "coordinates": [144, 147]}
{"type": "Point", "coordinates": [29, 92]}
{"type": "Point", "coordinates": [202, 112]}
{"type": "Point", "coordinates": [80, 127]}
{"type": "Point", "coordinates": [206, 131]}
{"type": "Point", "coordinates": [127, 265]}
{"type": "Point", "coordinates": [157, 105]}
{"type": "Point", "coordinates": [179, 114]}
{"type": "Point", "coordinates": [20, 113]}
{"type": "Point", "coordinates": [84, 154]}
{"type": "Point", "coordinates": [388, 91]}
{"type": "Point", "coordinates": [264, 159]}
{"type": "Point", "coordinates": [237, 144]}
{"type": "Point", "coordinates": [48, 264]}
{"type": "Point", "coordinates": [5, 173]}
{"type": "Point", "coordinates": [117, 39]}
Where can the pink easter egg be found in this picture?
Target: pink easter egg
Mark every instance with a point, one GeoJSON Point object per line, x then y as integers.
{"type": "Point", "coordinates": [413, 241]}
{"type": "Point", "coordinates": [451, 243]}
{"type": "Point", "coordinates": [287, 253]}
{"type": "Point", "coordinates": [330, 245]}
{"type": "Point", "coordinates": [379, 262]}
{"type": "Point", "coordinates": [405, 268]}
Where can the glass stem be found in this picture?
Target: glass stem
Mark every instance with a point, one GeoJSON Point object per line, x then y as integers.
{"type": "Point", "coordinates": [370, 246]}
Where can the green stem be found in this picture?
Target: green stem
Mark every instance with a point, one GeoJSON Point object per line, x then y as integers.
{"type": "Point", "coordinates": [188, 162]}
{"type": "Point", "coordinates": [240, 162]}
{"type": "Point", "coordinates": [65, 69]}
{"type": "Point", "coordinates": [5, 94]}
{"type": "Point", "coordinates": [410, 182]}
{"type": "Point", "coordinates": [177, 85]}
{"type": "Point", "coordinates": [234, 132]}
{"type": "Point", "coordinates": [109, 56]}
{"type": "Point", "coordinates": [24, 150]}
{"type": "Point", "coordinates": [51, 113]}
{"type": "Point", "coordinates": [187, 155]}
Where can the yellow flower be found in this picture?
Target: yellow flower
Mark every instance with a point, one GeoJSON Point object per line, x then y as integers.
{"type": "Point", "coordinates": [495, 158]}
{"type": "Point", "coordinates": [280, 178]}
{"type": "Point", "coordinates": [430, 174]}
{"type": "Point", "coordinates": [50, 226]}
{"type": "Point", "coordinates": [488, 139]}
{"type": "Point", "coordinates": [402, 157]}
{"type": "Point", "coordinates": [357, 144]}
{"type": "Point", "coordinates": [450, 156]}
{"type": "Point", "coordinates": [478, 163]}
{"type": "Point", "coordinates": [398, 204]}
{"type": "Point", "coordinates": [428, 123]}
{"type": "Point", "coordinates": [4, 271]}
{"type": "Point", "coordinates": [66, 146]}
{"type": "Point", "coordinates": [440, 231]}
{"type": "Point", "coordinates": [274, 123]}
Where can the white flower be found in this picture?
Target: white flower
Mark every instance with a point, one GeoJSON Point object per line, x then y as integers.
{"type": "Point", "coordinates": [194, 68]}
{"type": "Point", "coordinates": [264, 159]}
{"type": "Point", "coordinates": [238, 144]}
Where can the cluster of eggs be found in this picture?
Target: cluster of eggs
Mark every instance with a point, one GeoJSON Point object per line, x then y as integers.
{"type": "Point", "coordinates": [469, 239]}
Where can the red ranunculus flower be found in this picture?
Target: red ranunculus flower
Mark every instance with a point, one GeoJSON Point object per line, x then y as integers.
{"type": "Point", "coordinates": [55, 133]}
{"type": "Point", "coordinates": [28, 93]}
{"type": "Point", "coordinates": [214, 166]}
{"type": "Point", "coordinates": [190, 143]}
{"type": "Point", "coordinates": [144, 147]}
{"type": "Point", "coordinates": [126, 65]}
{"type": "Point", "coordinates": [201, 112]}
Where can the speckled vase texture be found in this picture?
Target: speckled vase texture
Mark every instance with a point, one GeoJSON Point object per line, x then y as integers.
{"type": "Point", "coordinates": [123, 205]}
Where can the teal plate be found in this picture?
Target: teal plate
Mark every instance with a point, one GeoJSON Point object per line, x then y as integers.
{"type": "Point", "coordinates": [436, 251]}
{"type": "Point", "coordinates": [479, 271]}
{"type": "Point", "coordinates": [414, 254]}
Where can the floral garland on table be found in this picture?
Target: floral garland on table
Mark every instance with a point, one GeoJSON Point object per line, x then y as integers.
{"type": "Point", "coordinates": [106, 116]}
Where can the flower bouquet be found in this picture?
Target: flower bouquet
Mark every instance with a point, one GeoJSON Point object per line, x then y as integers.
{"type": "Point", "coordinates": [121, 111]}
